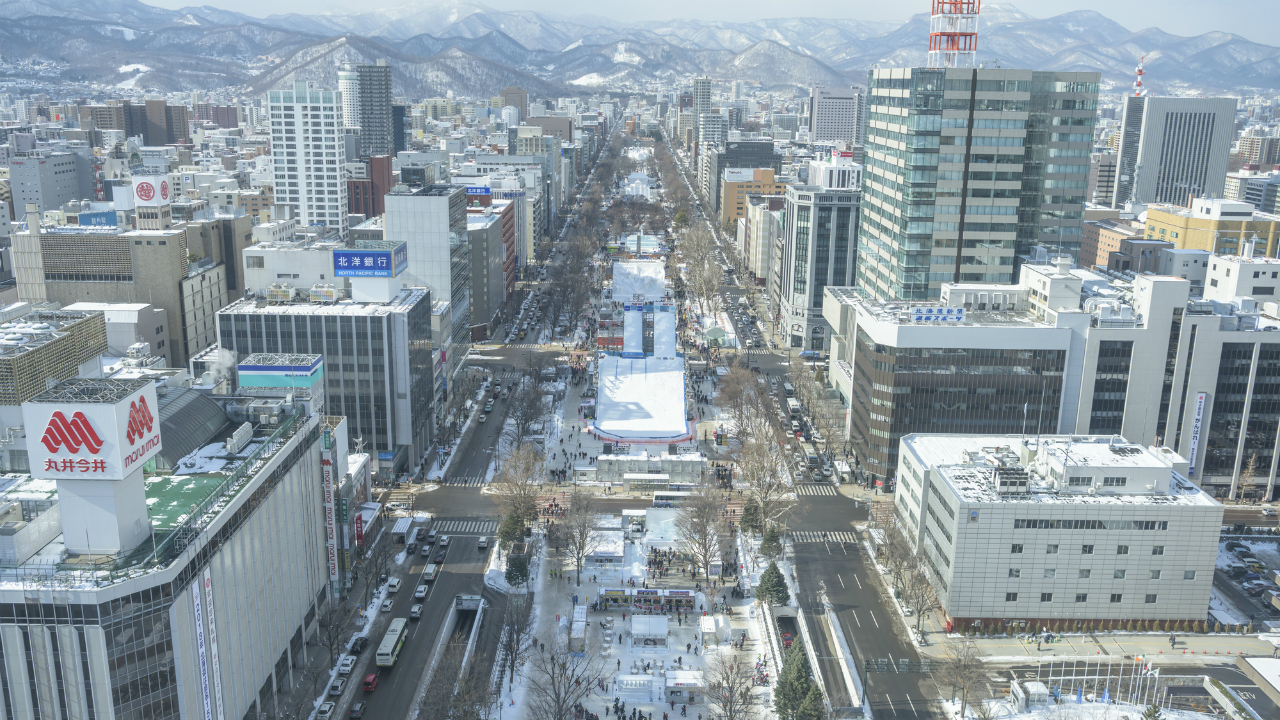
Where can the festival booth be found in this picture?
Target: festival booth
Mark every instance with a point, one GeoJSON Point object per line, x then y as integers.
{"type": "Point", "coordinates": [707, 629]}
{"type": "Point", "coordinates": [578, 629]}
{"type": "Point", "coordinates": [608, 553]}
{"type": "Point", "coordinates": [638, 688]}
{"type": "Point", "coordinates": [653, 601]}
{"type": "Point", "coordinates": [684, 686]}
{"type": "Point", "coordinates": [649, 633]}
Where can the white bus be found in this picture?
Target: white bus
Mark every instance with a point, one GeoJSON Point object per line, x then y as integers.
{"type": "Point", "coordinates": [389, 650]}
{"type": "Point", "coordinates": [669, 498]}
{"type": "Point", "coordinates": [793, 407]}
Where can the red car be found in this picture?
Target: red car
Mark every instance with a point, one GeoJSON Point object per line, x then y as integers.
{"type": "Point", "coordinates": [370, 682]}
{"type": "Point", "coordinates": [786, 640]}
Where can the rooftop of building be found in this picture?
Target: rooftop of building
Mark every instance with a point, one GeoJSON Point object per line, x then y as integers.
{"type": "Point", "coordinates": [25, 327]}
{"type": "Point", "coordinates": [252, 306]}
{"type": "Point", "coordinates": [438, 190]}
{"type": "Point", "coordinates": [1030, 469]}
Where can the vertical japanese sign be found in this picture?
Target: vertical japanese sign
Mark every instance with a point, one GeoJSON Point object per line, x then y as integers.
{"type": "Point", "coordinates": [1195, 432]}
{"type": "Point", "coordinates": [200, 648]}
{"type": "Point", "coordinates": [213, 643]}
{"type": "Point", "coordinates": [330, 522]}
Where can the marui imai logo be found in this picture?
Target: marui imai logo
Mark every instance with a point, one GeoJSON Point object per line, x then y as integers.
{"type": "Point", "coordinates": [70, 436]}
{"type": "Point", "coordinates": [146, 191]}
{"type": "Point", "coordinates": [140, 420]}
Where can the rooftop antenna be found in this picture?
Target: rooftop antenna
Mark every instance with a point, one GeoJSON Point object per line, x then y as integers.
{"type": "Point", "coordinates": [953, 33]}
{"type": "Point", "coordinates": [1138, 90]}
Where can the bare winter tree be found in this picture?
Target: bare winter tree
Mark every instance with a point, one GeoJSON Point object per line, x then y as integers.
{"type": "Point", "coordinates": [700, 527]}
{"type": "Point", "coordinates": [963, 671]}
{"type": "Point", "coordinates": [476, 698]}
{"type": "Point", "coordinates": [437, 702]}
{"type": "Point", "coordinates": [729, 681]}
{"type": "Point", "coordinates": [762, 475]}
{"type": "Point", "coordinates": [525, 412]}
{"type": "Point", "coordinates": [899, 557]}
{"type": "Point", "coordinates": [580, 533]}
{"type": "Point", "coordinates": [918, 594]}
{"type": "Point", "coordinates": [560, 677]}
{"type": "Point", "coordinates": [516, 639]}
{"type": "Point", "coordinates": [331, 631]}
{"type": "Point", "coordinates": [517, 484]}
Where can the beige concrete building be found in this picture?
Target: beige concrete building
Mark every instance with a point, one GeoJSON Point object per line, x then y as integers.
{"type": "Point", "coordinates": [1219, 226]}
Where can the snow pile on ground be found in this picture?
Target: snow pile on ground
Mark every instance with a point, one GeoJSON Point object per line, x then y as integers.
{"type": "Point", "coordinates": [1071, 710]}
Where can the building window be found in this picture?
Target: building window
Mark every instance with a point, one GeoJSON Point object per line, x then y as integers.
{"type": "Point", "coordinates": [1157, 549]}
{"type": "Point", "coordinates": [1155, 575]}
{"type": "Point", "coordinates": [1011, 597]}
{"type": "Point", "coordinates": [1150, 599]}
{"type": "Point", "coordinates": [1015, 572]}
{"type": "Point", "coordinates": [1188, 574]}
{"type": "Point", "coordinates": [1116, 597]}
{"type": "Point", "coordinates": [1083, 574]}
{"type": "Point", "coordinates": [1119, 575]}
{"type": "Point", "coordinates": [1122, 549]}
{"type": "Point", "coordinates": [1079, 481]}
{"type": "Point", "coordinates": [1015, 549]}
{"type": "Point", "coordinates": [1114, 481]}
{"type": "Point", "coordinates": [1050, 572]}
{"type": "Point", "coordinates": [1046, 597]}
{"type": "Point", "coordinates": [1050, 549]}
{"type": "Point", "coordinates": [1082, 597]}
{"type": "Point", "coordinates": [1086, 549]}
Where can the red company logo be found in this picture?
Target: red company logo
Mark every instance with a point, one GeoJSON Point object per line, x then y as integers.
{"type": "Point", "coordinates": [72, 434]}
{"type": "Point", "coordinates": [140, 420]}
{"type": "Point", "coordinates": [146, 191]}
{"type": "Point", "coordinates": [164, 187]}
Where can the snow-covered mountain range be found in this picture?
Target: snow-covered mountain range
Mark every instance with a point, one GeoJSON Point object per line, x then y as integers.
{"type": "Point", "coordinates": [469, 48]}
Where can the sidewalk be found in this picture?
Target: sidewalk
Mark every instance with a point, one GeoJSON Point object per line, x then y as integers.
{"type": "Point", "coordinates": [1191, 649]}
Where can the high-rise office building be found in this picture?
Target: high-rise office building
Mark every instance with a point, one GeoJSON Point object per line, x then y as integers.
{"type": "Point", "coordinates": [155, 120]}
{"type": "Point", "coordinates": [349, 86]}
{"type": "Point", "coordinates": [1102, 178]}
{"type": "Point", "coordinates": [1172, 149]}
{"type": "Point", "coordinates": [308, 155]}
{"type": "Point", "coordinates": [972, 168]}
{"type": "Point", "coordinates": [432, 220]}
{"type": "Point", "coordinates": [517, 98]}
{"type": "Point", "coordinates": [817, 248]}
{"type": "Point", "coordinates": [377, 126]}
{"type": "Point", "coordinates": [836, 115]}
{"type": "Point", "coordinates": [701, 100]}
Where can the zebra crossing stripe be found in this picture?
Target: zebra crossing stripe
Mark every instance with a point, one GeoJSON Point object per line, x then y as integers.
{"type": "Point", "coordinates": [816, 536]}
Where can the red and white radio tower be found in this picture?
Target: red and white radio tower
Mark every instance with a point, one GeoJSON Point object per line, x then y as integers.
{"type": "Point", "coordinates": [953, 33]}
{"type": "Point", "coordinates": [1138, 90]}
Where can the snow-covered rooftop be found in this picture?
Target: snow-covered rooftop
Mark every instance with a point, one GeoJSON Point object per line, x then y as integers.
{"type": "Point", "coordinates": [646, 278]}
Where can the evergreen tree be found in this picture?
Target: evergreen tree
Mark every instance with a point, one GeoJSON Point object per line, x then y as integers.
{"type": "Point", "coordinates": [1152, 713]}
{"type": "Point", "coordinates": [517, 570]}
{"type": "Point", "coordinates": [771, 545]}
{"type": "Point", "coordinates": [772, 587]}
{"type": "Point", "coordinates": [509, 531]}
{"type": "Point", "coordinates": [812, 708]}
{"type": "Point", "coordinates": [752, 517]}
{"type": "Point", "coordinates": [793, 684]}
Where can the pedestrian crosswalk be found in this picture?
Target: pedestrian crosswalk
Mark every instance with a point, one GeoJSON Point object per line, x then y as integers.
{"type": "Point", "coordinates": [816, 489]}
{"type": "Point", "coordinates": [464, 526]}
{"type": "Point", "coordinates": [817, 536]}
{"type": "Point", "coordinates": [465, 481]}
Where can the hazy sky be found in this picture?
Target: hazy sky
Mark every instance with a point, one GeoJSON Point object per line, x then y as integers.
{"type": "Point", "coordinates": [1257, 20]}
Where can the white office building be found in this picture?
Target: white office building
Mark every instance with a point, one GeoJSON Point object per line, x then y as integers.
{"type": "Point", "coordinates": [308, 151]}
{"type": "Point", "coordinates": [837, 115]}
{"type": "Point", "coordinates": [1023, 530]}
{"type": "Point", "coordinates": [817, 248]}
{"type": "Point", "coordinates": [1174, 148]}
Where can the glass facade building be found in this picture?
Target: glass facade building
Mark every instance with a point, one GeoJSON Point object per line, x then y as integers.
{"type": "Point", "coordinates": [967, 169]}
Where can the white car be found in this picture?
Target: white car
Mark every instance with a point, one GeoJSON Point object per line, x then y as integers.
{"type": "Point", "coordinates": [420, 593]}
{"type": "Point", "coordinates": [346, 664]}
{"type": "Point", "coordinates": [386, 605]}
